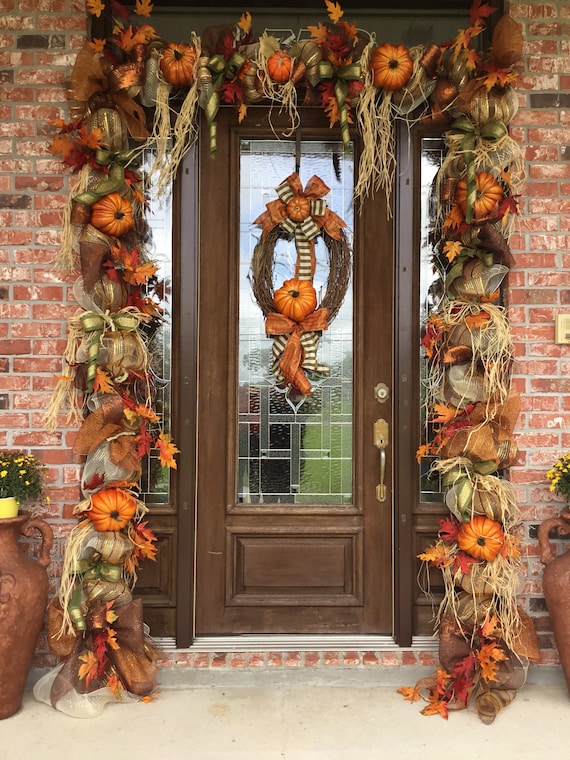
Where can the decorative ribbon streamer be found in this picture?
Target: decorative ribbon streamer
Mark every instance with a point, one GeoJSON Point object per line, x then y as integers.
{"type": "Point", "coordinates": [492, 131]}
{"type": "Point", "coordinates": [110, 184]}
{"type": "Point", "coordinates": [299, 349]}
{"type": "Point", "coordinates": [486, 257]}
{"type": "Point", "coordinates": [459, 479]}
{"type": "Point", "coordinates": [341, 77]}
{"type": "Point", "coordinates": [94, 326]}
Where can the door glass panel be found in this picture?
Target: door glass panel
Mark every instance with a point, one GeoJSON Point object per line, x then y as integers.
{"type": "Point", "coordinates": [287, 452]}
{"type": "Point", "coordinates": [432, 154]}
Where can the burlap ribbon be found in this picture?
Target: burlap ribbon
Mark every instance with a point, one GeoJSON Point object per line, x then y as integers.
{"type": "Point", "coordinates": [341, 76]}
{"type": "Point", "coordinates": [492, 131]}
{"type": "Point", "coordinates": [302, 213]}
{"type": "Point", "coordinates": [456, 270]}
{"type": "Point", "coordinates": [95, 325]}
{"type": "Point", "coordinates": [488, 437]}
{"type": "Point", "coordinates": [93, 78]}
{"type": "Point", "coordinates": [295, 347]}
{"type": "Point", "coordinates": [463, 486]}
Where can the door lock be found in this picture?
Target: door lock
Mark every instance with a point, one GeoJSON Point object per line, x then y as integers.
{"type": "Point", "coordinates": [381, 392]}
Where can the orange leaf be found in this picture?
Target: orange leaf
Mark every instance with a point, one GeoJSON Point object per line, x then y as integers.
{"type": "Point", "coordinates": [97, 45]}
{"type": "Point", "coordinates": [62, 145]}
{"type": "Point", "coordinates": [453, 218]}
{"type": "Point", "coordinates": [167, 450]}
{"type": "Point", "coordinates": [102, 382]}
{"type": "Point", "coordinates": [95, 7]}
{"type": "Point", "coordinates": [410, 693]}
{"type": "Point", "coordinates": [472, 59]}
{"type": "Point", "coordinates": [88, 670]}
{"type": "Point", "coordinates": [112, 639]}
{"type": "Point", "coordinates": [318, 33]}
{"type": "Point", "coordinates": [128, 39]}
{"type": "Point", "coordinates": [245, 22]}
{"type": "Point", "coordinates": [150, 697]}
{"type": "Point", "coordinates": [444, 413]}
{"type": "Point", "coordinates": [423, 451]}
{"type": "Point", "coordinates": [438, 707]}
{"type": "Point", "coordinates": [489, 627]}
{"type": "Point", "coordinates": [335, 12]}
{"type": "Point", "coordinates": [143, 8]}
{"type": "Point", "coordinates": [92, 138]}
{"type": "Point", "coordinates": [476, 321]}
{"type": "Point", "coordinates": [437, 555]}
{"type": "Point", "coordinates": [115, 685]}
{"type": "Point", "coordinates": [489, 657]}
{"type": "Point", "coordinates": [140, 274]}
{"type": "Point", "coordinates": [350, 30]}
{"type": "Point", "coordinates": [452, 249]}
{"type": "Point", "coordinates": [242, 112]}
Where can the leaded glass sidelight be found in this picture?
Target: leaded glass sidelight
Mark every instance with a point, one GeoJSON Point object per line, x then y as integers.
{"type": "Point", "coordinates": [290, 450]}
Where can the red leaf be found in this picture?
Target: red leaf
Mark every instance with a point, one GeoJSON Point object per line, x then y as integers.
{"type": "Point", "coordinates": [463, 562]}
{"type": "Point", "coordinates": [144, 441]}
{"type": "Point", "coordinates": [448, 529]}
{"type": "Point", "coordinates": [94, 482]}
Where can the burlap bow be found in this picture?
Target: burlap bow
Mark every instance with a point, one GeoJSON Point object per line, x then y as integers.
{"type": "Point", "coordinates": [341, 76]}
{"type": "Point", "coordinates": [302, 213]}
{"type": "Point", "coordinates": [93, 78]}
{"type": "Point", "coordinates": [113, 182]}
{"type": "Point", "coordinates": [295, 347]}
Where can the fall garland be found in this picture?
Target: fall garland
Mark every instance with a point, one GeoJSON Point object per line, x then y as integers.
{"type": "Point", "coordinates": [135, 91]}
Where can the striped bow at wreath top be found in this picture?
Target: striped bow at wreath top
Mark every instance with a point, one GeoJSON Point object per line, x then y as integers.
{"type": "Point", "coordinates": [304, 214]}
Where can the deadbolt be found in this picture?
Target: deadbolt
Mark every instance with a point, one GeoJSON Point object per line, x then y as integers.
{"type": "Point", "coordinates": [381, 392]}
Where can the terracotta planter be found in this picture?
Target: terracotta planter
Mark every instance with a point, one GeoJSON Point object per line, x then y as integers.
{"type": "Point", "coordinates": [23, 599]}
{"type": "Point", "coordinates": [556, 586]}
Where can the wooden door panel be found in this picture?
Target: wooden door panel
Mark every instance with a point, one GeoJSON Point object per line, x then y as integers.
{"type": "Point", "coordinates": [287, 567]}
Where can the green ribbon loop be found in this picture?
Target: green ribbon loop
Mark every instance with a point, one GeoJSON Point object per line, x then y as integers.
{"type": "Point", "coordinates": [94, 325]}
{"type": "Point", "coordinates": [110, 184]}
{"type": "Point", "coordinates": [100, 571]}
{"type": "Point", "coordinates": [234, 65]}
{"type": "Point", "coordinates": [486, 257]}
{"type": "Point", "coordinates": [462, 485]}
{"type": "Point", "coordinates": [340, 77]}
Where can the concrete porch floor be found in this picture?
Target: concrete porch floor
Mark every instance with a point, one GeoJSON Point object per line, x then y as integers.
{"type": "Point", "coordinates": [294, 716]}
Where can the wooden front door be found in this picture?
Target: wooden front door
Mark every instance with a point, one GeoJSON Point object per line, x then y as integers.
{"type": "Point", "coordinates": [290, 534]}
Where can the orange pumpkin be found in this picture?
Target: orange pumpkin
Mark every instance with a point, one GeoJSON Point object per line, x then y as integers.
{"type": "Point", "coordinates": [112, 214]}
{"type": "Point", "coordinates": [279, 66]}
{"type": "Point", "coordinates": [177, 63]}
{"type": "Point", "coordinates": [481, 538]}
{"type": "Point", "coordinates": [111, 509]}
{"type": "Point", "coordinates": [489, 194]}
{"type": "Point", "coordinates": [295, 299]}
{"type": "Point", "coordinates": [392, 66]}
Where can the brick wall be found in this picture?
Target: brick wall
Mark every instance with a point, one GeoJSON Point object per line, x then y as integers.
{"type": "Point", "coordinates": [38, 40]}
{"type": "Point", "coordinates": [540, 286]}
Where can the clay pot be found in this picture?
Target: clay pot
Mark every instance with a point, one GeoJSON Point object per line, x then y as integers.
{"type": "Point", "coordinates": [556, 586]}
{"type": "Point", "coordinates": [23, 599]}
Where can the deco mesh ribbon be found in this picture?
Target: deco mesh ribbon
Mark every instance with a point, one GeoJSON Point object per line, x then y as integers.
{"type": "Point", "coordinates": [301, 213]}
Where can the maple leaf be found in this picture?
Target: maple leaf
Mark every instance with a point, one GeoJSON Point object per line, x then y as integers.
{"type": "Point", "coordinates": [115, 685]}
{"type": "Point", "coordinates": [140, 274]}
{"type": "Point", "coordinates": [145, 542]}
{"type": "Point", "coordinates": [479, 11]}
{"type": "Point", "coordinates": [61, 145]}
{"type": "Point", "coordinates": [88, 670]}
{"type": "Point", "coordinates": [334, 11]}
{"type": "Point", "coordinates": [452, 249]}
{"type": "Point", "coordinates": [142, 410]}
{"type": "Point", "coordinates": [453, 219]}
{"type": "Point", "coordinates": [167, 450]}
{"type": "Point", "coordinates": [103, 382]}
{"type": "Point", "coordinates": [444, 413]}
{"type": "Point", "coordinates": [231, 92]}
{"type": "Point", "coordinates": [318, 33]}
{"type": "Point", "coordinates": [150, 697]}
{"type": "Point", "coordinates": [143, 8]}
{"type": "Point", "coordinates": [128, 38]}
{"type": "Point", "coordinates": [111, 616]}
{"type": "Point", "coordinates": [242, 112]}
{"type": "Point", "coordinates": [489, 627]}
{"type": "Point", "coordinates": [350, 30]}
{"type": "Point", "coordinates": [332, 111]}
{"type": "Point", "coordinates": [94, 482]}
{"type": "Point", "coordinates": [437, 555]}
{"type": "Point", "coordinates": [465, 668]}
{"type": "Point", "coordinates": [423, 451]}
{"type": "Point", "coordinates": [245, 22]}
{"type": "Point", "coordinates": [95, 7]}
{"type": "Point", "coordinates": [97, 45]}
{"type": "Point", "coordinates": [144, 441]}
{"type": "Point", "coordinates": [489, 657]}
{"type": "Point", "coordinates": [410, 693]}
{"type": "Point", "coordinates": [472, 59]}
{"type": "Point", "coordinates": [463, 562]}
{"type": "Point", "coordinates": [491, 298]}
{"type": "Point", "coordinates": [477, 321]}
{"type": "Point", "coordinates": [448, 529]}
{"type": "Point", "coordinates": [112, 639]}
{"type": "Point", "coordinates": [91, 138]}
{"type": "Point", "coordinates": [436, 707]}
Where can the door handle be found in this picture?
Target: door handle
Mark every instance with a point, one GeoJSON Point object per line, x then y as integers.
{"type": "Point", "coordinates": [381, 429]}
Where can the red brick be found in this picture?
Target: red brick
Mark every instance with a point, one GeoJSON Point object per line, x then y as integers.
{"type": "Point", "coordinates": [293, 659]}
{"type": "Point", "coordinates": [255, 660]}
{"type": "Point", "coordinates": [15, 347]}
{"type": "Point", "coordinates": [331, 658]}
{"type": "Point", "coordinates": [351, 658]}
{"type": "Point", "coordinates": [409, 658]}
{"type": "Point", "coordinates": [275, 659]}
{"type": "Point", "coordinates": [237, 661]}
{"type": "Point", "coordinates": [311, 659]}
{"type": "Point", "coordinates": [370, 658]}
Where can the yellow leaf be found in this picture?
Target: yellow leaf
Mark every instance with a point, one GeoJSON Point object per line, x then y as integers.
{"type": "Point", "coordinates": [115, 685]}
{"type": "Point", "coordinates": [88, 670]}
{"type": "Point", "coordinates": [334, 11]}
{"type": "Point", "coordinates": [453, 218]}
{"type": "Point", "coordinates": [245, 22]}
{"type": "Point", "coordinates": [452, 249]}
{"type": "Point", "coordinates": [97, 45]}
{"type": "Point", "coordinates": [437, 555]}
{"type": "Point", "coordinates": [242, 112]}
{"type": "Point", "coordinates": [112, 639]}
{"type": "Point", "coordinates": [472, 59]}
{"type": "Point", "coordinates": [143, 8]}
{"type": "Point", "coordinates": [139, 275]}
{"type": "Point", "coordinates": [410, 693]}
{"type": "Point", "coordinates": [95, 7]}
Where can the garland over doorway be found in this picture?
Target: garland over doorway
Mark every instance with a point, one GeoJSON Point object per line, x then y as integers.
{"type": "Point", "coordinates": [133, 91]}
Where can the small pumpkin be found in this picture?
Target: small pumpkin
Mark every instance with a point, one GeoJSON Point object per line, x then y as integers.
{"type": "Point", "coordinates": [295, 299]}
{"type": "Point", "coordinates": [392, 66]}
{"type": "Point", "coordinates": [481, 538]}
{"type": "Point", "coordinates": [279, 66]}
{"type": "Point", "coordinates": [112, 509]}
{"type": "Point", "coordinates": [177, 63]}
{"type": "Point", "coordinates": [112, 214]}
{"type": "Point", "coordinates": [488, 195]}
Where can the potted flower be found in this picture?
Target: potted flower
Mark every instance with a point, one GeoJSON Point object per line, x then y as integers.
{"type": "Point", "coordinates": [559, 477]}
{"type": "Point", "coordinates": [20, 479]}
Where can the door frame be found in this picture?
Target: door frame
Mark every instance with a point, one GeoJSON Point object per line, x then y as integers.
{"type": "Point", "coordinates": [404, 391]}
